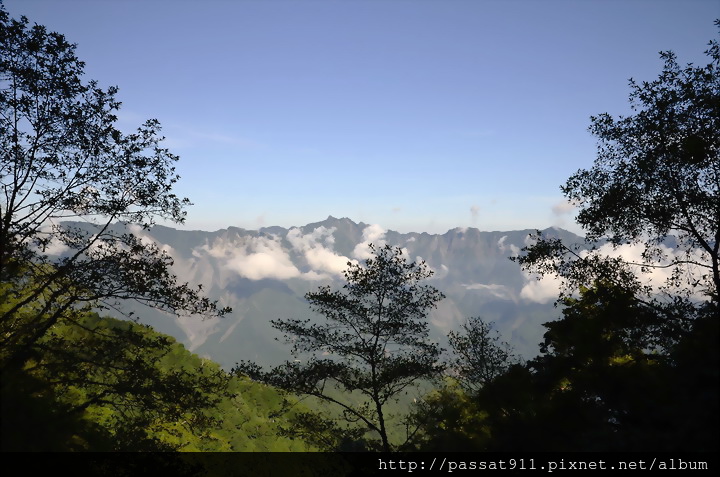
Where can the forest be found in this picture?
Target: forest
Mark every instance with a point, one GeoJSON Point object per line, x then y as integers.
{"type": "Point", "coordinates": [630, 364]}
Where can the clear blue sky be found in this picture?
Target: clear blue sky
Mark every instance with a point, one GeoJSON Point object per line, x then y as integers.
{"type": "Point", "coordinates": [414, 115]}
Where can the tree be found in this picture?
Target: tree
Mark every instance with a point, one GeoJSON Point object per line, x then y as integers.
{"type": "Point", "coordinates": [61, 159]}
{"type": "Point", "coordinates": [632, 364]}
{"type": "Point", "coordinates": [480, 356]}
{"type": "Point", "coordinates": [374, 340]}
{"type": "Point", "coordinates": [656, 185]}
{"type": "Point", "coordinates": [634, 357]}
{"type": "Point", "coordinates": [105, 384]}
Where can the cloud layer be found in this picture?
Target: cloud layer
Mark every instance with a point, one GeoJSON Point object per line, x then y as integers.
{"type": "Point", "coordinates": [373, 234]}
{"type": "Point", "coordinates": [547, 288]}
{"type": "Point", "coordinates": [268, 256]}
{"type": "Point", "coordinates": [317, 249]}
{"type": "Point", "coordinates": [255, 258]}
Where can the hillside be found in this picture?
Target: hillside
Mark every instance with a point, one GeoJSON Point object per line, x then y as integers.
{"type": "Point", "coordinates": [263, 274]}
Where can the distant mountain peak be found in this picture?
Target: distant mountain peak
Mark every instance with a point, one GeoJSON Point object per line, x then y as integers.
{"type": "Point", "coordinates": [334, 222]}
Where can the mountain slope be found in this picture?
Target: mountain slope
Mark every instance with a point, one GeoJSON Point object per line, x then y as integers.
{"type": "Point", "coordinates": [263, 274]}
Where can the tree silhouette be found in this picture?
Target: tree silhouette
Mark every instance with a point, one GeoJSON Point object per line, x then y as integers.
{"type": "Point", "coordinates": [634, 360]}
{"type": "Point", "coordinates": [62, 159]}
{"type": "Point", "coordinates": [632, 364]}
{"type": "Point", "coordinates": [480, 356]}
{"type": "Point", "coordinates": [655, 184]}
{"type": "Point", "coordinates": [374, 340]}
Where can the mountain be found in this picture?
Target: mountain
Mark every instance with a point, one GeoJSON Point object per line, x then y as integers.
{"type": "Point", "coordinates": [263, 274]}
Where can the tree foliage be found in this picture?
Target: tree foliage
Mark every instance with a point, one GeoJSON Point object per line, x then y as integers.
{"type": "Point", "coordinates": [633, 360]}
{"type": "Point", "coordinates": [110, 385]}
{"type": "Point", "coordinates": [373, 341]}
{"type": "Point", "coordinates": [632, 363]}
{"type": "Point", "coordinates": [62, 158]}
{"type": "Point", "coordinates": [479, 354]}
{"type": "Point", "coordinates": [655, 184]}
{"type": "Point", "coordinates": [120, 379]}
{"type": "Point", "coordinates": [601, 383]}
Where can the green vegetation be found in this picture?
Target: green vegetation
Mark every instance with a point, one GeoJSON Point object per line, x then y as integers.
{"type": "Point", "coordinates": [479, 355]}
{"type": "Point", "coordinates": [106, 384]}
{"type": "Point", "coordinates": [631, 363]}
{"type": "Point", "coordinates": [375, 338]}
{"type": "Point", "coordinates": [70, 379]}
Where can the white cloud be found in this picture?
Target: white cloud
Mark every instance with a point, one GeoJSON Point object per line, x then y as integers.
{"type": "Point", "coordinates": [147, 240]}
{"type": "Point", "coordinates": [654, 276]}
{"type": "Point", "coordinates": [265, 263]}
{"type": "Point", "coordinates": [322, 260]}
{"type": "Point", "coordinates": [544, 290]}
{"type": "Point", "coordinates": [514, 249]}
{"type": "Point", "coordinates": [372, 234]}
{"type": "Point", "coordinates": [563, 207]}
{"type": "Point", "coordinates": [440, 274]}
{"type": "Point", "coordinates": [474, 212]}
{"type": "Point", "coordinates": [548, 287]}
{"type": "Point", "coordinates": [500, 291]}
{"type": "Point", "coordinates": [55, 246]}
{"type": "Point", "coordinates": [561, 210]}
{"type": "Point", "coordinates": [253, 257]}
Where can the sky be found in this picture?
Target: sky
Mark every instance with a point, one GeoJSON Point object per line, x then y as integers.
{"type": "Point", "coordinates": [417, 116]}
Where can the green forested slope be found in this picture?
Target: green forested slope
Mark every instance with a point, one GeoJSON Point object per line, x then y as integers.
{"type": "Point", "coordinates": [104, 384]}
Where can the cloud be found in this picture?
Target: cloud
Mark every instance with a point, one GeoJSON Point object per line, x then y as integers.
{"type": "Point", "coordinates": [561, 210]}
{"type": "Point", "coordinates": [500, 291]}
{"type": "Point", "coordinates": [654, 276]}
{"type": "Point", "coordinates": [475, 212]}
{"type": "Point", "coordinates": [514, 249]}
{"type": "Point", "coordinates": [323, 260]}
{"type": "Point", "coordinates": [563, 207]}
{"type": "Point", "coordinates": [260, 257]}
{"type": "Point", "coordinates": [442, 273]}
{"type": "Point", "coordinates": [547, 288]}
{"type": "Point", "coordinates": [254, 258]}
{"type": "Point", "coordinates": [55, 247]}
{"type": "Point", "coordinates": [544, 290]}
{"type": "Point", "coordinates": [147, 240]}
{"type": "Point", "coordinates": [371, 234]}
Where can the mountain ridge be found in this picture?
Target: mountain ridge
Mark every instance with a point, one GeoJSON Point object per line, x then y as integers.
{"type": "Point", "coordinates": [264, 274]}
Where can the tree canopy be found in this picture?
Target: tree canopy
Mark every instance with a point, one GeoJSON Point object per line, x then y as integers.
{"type": "Point", "coordinates": [632, 362]}
{"type": "Point", "coordinates": [373, 341]}
{"type": "Point", "coordinates": [63, 159]}
{"type": "Point", "coordinates": [479, 354]}
{"type": "Point", "coordinates": [655, 184]}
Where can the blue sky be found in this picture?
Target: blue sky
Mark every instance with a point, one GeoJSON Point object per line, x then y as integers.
{"type": "Point", "coordinates": [414, 115]}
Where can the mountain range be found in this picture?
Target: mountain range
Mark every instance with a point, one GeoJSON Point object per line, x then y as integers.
{"type": "Point", "coordinates": [264, 274]}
